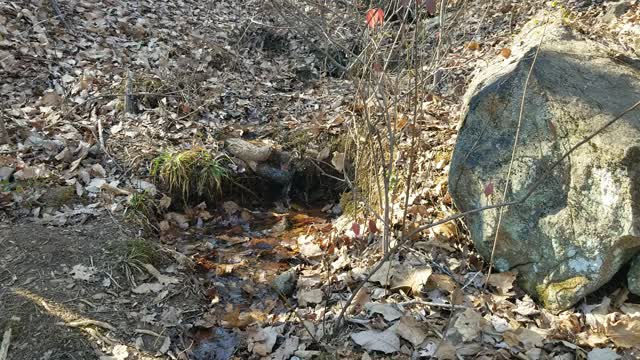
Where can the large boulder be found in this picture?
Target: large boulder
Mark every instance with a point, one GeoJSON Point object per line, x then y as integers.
{"type": "Point", "coordinates": [583, 221]}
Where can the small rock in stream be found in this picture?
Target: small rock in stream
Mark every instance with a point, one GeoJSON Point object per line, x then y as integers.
{"type": "Point", "coordinates": [285, 283]}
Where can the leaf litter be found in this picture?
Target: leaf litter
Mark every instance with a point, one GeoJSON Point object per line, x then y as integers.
{"type": "Point", "coordinates": [203, 70]}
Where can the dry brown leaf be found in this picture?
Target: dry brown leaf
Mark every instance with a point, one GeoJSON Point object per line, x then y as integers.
{"type": "Point", "coordinates": [591, 339]}
{"type": "Point", "coordinates": [457, 297]}
{"type": "Point", "coordinates": [473, 45]}
{"type": "Point", "coordinates": [373, 340]}
{"type": "Point", "coordinates": [389, 312]}
{"type": "Point", "coordinates": [446, 351]}
{"type": "Point", "coordinates": [287, 349]}
{"type": "Point", "coordinates": [630, 309]}
{"type": "Point", "coordinates": [313, 296]}
{"type": "Point", "coordinates": [261, 341]}
{"type": "Point", "coordinates": [526, 338]}
{"type": "Point", "coordinates": [415, 280]}
{"type": "Point", "coordinates": [233, 318]}
{"type": "Point", "coordinates": [602, 354]}
{"type": "Point", "coordinates": [383, 275]}
{"type": "Point", "coordinates": [469, 324]}
{"type": "Point", "coordinates": [338, 161]}
{"type": "Point", "coordinates": [442, 282]}
{"type": "Point", "coordinates": [445, 231]}
{"type": "Point", "coordinates": [503, 281]}
{"type": "Point", "coordinates": [225, 269]}
{"type": "Point", "coordinates": [402, 122]}
{"type": "Point", "coordinates": [361, 298]}
{"type": "Point", "coordinates": [411, 330]}
{"type": "Point", "coordinates": [324, 154]}
{"type": "Point", "coordinates": [623, 330]}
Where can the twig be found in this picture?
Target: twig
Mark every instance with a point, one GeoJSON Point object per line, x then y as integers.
{"type": "Point", "coordinates": [147, 332]}
{"type": "Point", "coordinates": [430, 303]}
{"type": "Point", "coordinates": [89, 322]}
{"type": "Point", "coordinates": [94, 333]}
{"type": "Point", "coordinates": [4, 347]}
{"type": "Point", "coordinates": [4, 136]}
{"type": "Point", "coordinates": [100, 136]}
{"type": "Point", "coordinates": [528, 194]}
{"type": "Point", "coordinates": [129, 98]}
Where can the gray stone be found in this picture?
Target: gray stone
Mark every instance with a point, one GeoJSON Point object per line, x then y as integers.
{"type": "Point", "coordinates": [616, 10]}
{"type": "Point", "coordinates": [633, 276]}
{"type": "Point", "coordinates": [285, 283]}
{"type": "Point", "coordinates": [6, 172]}
{"type": "Point", "coordinates": [582, 223]}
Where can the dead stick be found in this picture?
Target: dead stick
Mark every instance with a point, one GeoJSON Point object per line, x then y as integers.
{"type": "Point", "coordinates": [4, 136]}
{"type": "Point", "coordinates": [88, 322]}
{"type": "Point", "coordinates": [100, 137]}
{"type": "Point", "coordinates": [147, 332]}
{"type": "Point", "coordinates": [129, 98]}
{"type": "Point", "coordinates": [433, 304]}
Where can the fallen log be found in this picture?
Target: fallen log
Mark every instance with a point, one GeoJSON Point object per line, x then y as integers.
{"type": "Point", "coordinates": [264, 160]}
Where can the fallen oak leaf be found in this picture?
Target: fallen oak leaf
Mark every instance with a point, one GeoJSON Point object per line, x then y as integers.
{"type": "Point", "coordinates": [261, 341]}
{"type": "Point", "coordinates": [502, 281]}
{"type": "Point", "coordinates": [623, 330]}
{"type": "Point", "coordinates": [415, 280]}
{"type": "Point", "coordinates": [147, 287]}
{"type": "Point", "coordinates": [389, 312]}
{"type": "Point", "coordinates": [411, 330]}
{"type": "Point", "coordinates": [469, 324]}
{"type": "Point", "coordinates": [386, 341]}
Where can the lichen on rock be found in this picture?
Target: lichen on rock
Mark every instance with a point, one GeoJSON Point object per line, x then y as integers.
{"type": "Point", "coordinates": [582, 223]}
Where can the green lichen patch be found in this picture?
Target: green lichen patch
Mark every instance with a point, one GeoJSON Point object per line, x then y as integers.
{"type": "Point", "coordinates": [557, 296]}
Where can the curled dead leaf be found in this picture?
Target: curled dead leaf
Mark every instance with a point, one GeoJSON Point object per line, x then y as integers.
{"type": "Point", "coordinates": [338, 161]}
{"type": "Point", "coordinates": [502, 281]}
{"type": "Point", "coordinates": [415, 280]}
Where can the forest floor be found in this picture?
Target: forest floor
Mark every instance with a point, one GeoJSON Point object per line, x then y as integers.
{"type": "Point", "coordinates": [101, 260]}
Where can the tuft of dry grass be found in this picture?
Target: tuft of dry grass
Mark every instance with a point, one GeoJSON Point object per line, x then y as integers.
{"type": "Point", "coordinates": [191, 173]}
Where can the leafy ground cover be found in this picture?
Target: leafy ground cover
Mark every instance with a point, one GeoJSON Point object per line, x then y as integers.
{"type": "Point", "coordinates": [129, 230]}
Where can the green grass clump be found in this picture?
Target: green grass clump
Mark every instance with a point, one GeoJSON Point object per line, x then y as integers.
{"type": "Point", "coordinates": [143, 210]}
{"type": "Point", "coordinates": [141, 251]}
{"type": "Point", "coordinates": [190, 173]}
{"type": "Point", "coordinates": [143, 203]}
